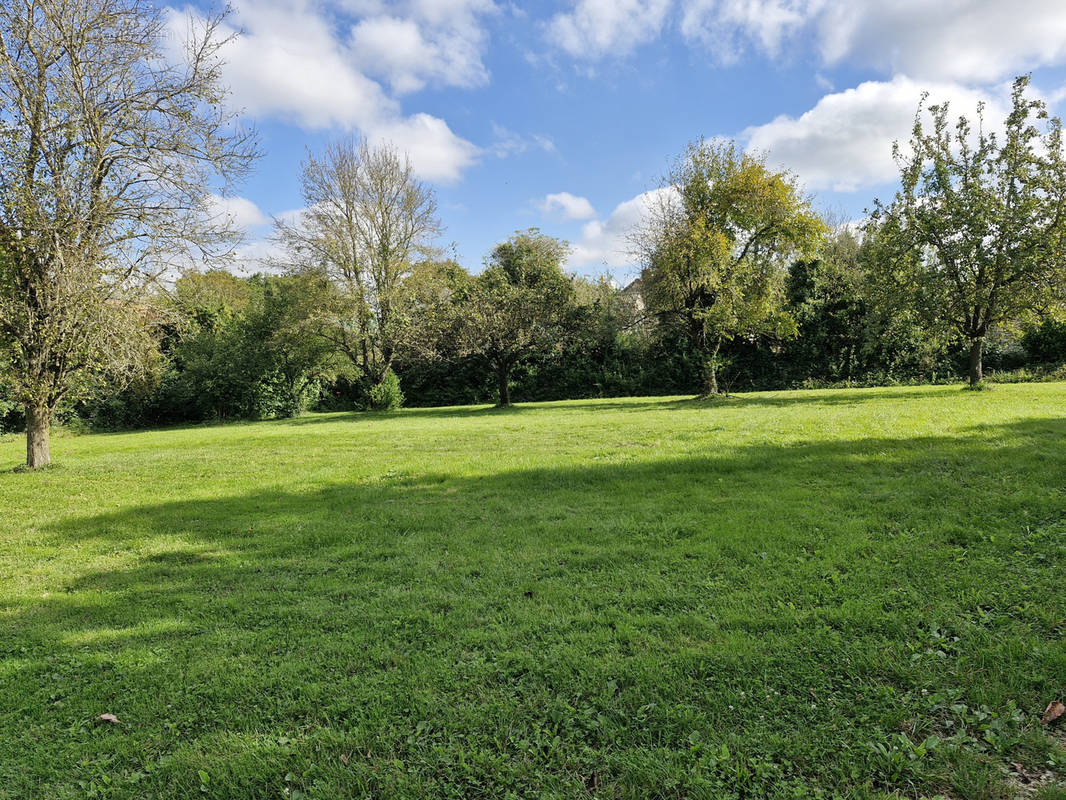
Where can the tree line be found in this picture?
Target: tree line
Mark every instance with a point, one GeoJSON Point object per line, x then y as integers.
{"type": "Point", "coordinates": [118, 304]}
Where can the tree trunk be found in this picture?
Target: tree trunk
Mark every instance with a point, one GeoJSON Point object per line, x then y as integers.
{"type": "Point", "coordinates": [710, 370]}
{"type": "Point", "coordinates": [976, 350]}
{"type": "Point", "coordinates": [38, 441]}
{"type": "Point", "coordinates": [710, 378]}
{"type": "Point", "coordinates": [503, 375]}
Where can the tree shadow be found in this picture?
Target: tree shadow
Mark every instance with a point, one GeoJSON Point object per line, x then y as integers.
{"type": "Point", "coordinates": [831, 397]}
{"type": "Point", "coordinates": [544, 625]}
{"type": "Point", "coordinates": [813, 397]}
{"type": "Point", "coordinates": [461, 412]}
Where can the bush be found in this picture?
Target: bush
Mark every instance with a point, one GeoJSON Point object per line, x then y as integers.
{"type": "Point", "coordinates": [387, 395]}
{"type": "Point", "coordinates": [1034, 374]}
{"type": "Point", "coordinates": [10, 413]}
{"type": "Point", "coordinates": [1046, 343]}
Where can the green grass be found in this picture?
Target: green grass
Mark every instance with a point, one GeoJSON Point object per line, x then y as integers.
{"type": "Point", "coordinates": [821, 594]}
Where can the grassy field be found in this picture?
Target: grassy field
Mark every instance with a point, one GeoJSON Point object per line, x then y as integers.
{"type": "Point", "coordinates": [821, 594]}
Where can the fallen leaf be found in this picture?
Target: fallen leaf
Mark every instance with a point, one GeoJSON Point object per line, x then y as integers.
{"type": "Point", "coordinates": [344, 759]}
{"type": "Point", "coordinates": [108, 718]}
{"type": "Point", "coordinates": [1054, 710]}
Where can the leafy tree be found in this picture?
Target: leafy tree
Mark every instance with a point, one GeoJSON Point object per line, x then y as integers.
{"type": "Point", "coordinates": [975, 236]}
{"type": "Point", "coordinates": [368, 220]}
{"type": "Point", "coordinates": [202, 298]}
{"type": "Point", "coordinates": [108, 149]}
{"type": "Point", "coordinates": [600, 352]}
{"type": "Point", "coordinates": [217, 361]}
{"type": "Point", "coordinates": [10, 418]}
{"type": "Point", "coordinates": [825, 297]}
{"type": "Point", "coordinates": [432, 362]}
{"type": "Point", "coordinates": [715, 246]}
{"type": "Point", "coordinates": [387, 395]}
{"type": "Point", "coordinates": [246, 347]}
{"type": "Point", "coordinates": [843, 332]}
{"type": "Point", "coordinates": [295, 357]}
{"type": "Point", "coordinates": [517, 307]}
{"type": "Point", "coordinates": [425, 309]}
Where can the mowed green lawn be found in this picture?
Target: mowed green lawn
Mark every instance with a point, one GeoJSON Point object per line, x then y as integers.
{"type": "Point", "coordinates": [809, 594]}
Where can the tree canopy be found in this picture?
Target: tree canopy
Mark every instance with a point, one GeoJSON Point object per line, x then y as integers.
{"type": "Point", "coordinates": [716, 245]}
{"type": "Point", "coordinates": [517, 306]}
{"type": "Point", "coordinates": [976, 235]}
{"type": "Point", "coordinates": [110, 147]}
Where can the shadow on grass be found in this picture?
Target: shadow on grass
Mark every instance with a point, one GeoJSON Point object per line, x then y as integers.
{"type": "Point", "coordinates": [444, 411]}
{"type": "Point", "coordinates": [835, 397]}
{"type": "Point", "coordinates": [540, 627]}
{"type": "Point", "coordinates": [636, 404]}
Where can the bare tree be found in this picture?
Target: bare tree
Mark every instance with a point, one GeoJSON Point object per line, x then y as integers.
{"type": "Point", "coordinates": [367, 221]}
{"type": "Point", "coordinates": [110, 145]}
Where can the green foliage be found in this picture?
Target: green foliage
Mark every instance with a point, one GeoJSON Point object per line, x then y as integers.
{"type": "Point", "coordinates": [826, 298]}
{"type": "Point", "coordinates": [741, 287]}
{"type": "Point", "coordinates": [845, 335]}
{"type": "Point", "coordinates": [10, 416]}
{"type": "Point", "coordinates": [295, 357]}
{"type": "Point", "coordinates": [1045, 343]}
{"type": "Point", "coordinates": [237, 348]}
{"type": "Point", "coordinates": [717, 244]}
{"type": "Point", "coordinates": [1034, 374]}
{"type": "Point", "coordinates": [776, 596]}
{"type": "Point", "coordinates": [974, 238]}
{"type": "Point", "coordinates": [517, 307]}
{"type": "Point", "coordinates": [10, 413]}
{"type": "Point", "coordinates": [112, 140]}
{"type": "Point", "coordinates": [386, 395]}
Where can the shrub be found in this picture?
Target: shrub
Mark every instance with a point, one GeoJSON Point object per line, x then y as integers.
{"type": "Point", "coordinates": [1046, 342]}
{"type": "Point", "coordinates": [10, 413]}
{"type": "Point", "coordinates": [387, 395]}
{"type": "Point", "coordinates": [1034, 374]}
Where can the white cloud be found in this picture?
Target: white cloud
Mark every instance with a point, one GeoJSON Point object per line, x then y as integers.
{"type": "Point", "coordinates": [508, 143]}
{"type": "Point", "coordinates": [260, 252]}
{"type": "Point", "coordinates": [975, 41]}
{"type": "Point", "coordinates": [725, 25]}
{"type": "Point", "coordinates": [238, 212]}
{"type": "Point", "coordinates": [969, 41]}
{"type": "Point", "coordinates": [845, 141]}
{"type": "Point", "coordinates": [288, 63]}
{"type": "Point", "coordinates": [292, 62]}
{"type": "Point", "coordinates": [436, 153]}
{"type": "Point", "coordinates": [599, 28]}
{"type": "Point", "coordinates": [605, 243]}
{"type": "Point", "coordinates": [567, 206]}
{"type": "Point", "coordinates": [437, 42]}
{"type": "Point", "coordinates": [963, 40]}
{"type": "Point", "coordinates": [393, 48]}
{"type": "Point", "coordinates": [291, 216]}
{"type": "Point", "coordinates": [261, 255]}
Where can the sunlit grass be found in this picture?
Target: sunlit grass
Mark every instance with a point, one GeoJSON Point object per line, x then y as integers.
{"type": "Point", "coordinates": [772, 595]}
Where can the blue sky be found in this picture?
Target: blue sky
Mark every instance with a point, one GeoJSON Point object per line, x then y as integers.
{"type": "Point", "coordinates": [560, 115]}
